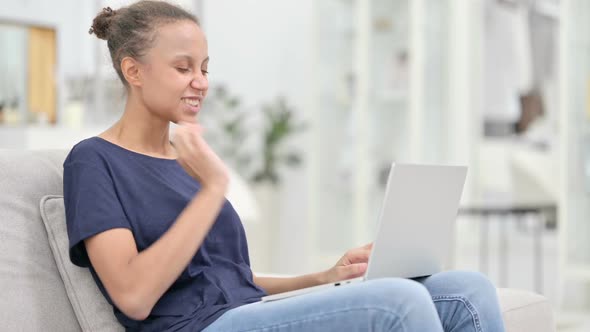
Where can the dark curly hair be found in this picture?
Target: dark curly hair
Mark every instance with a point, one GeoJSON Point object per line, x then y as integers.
{"type": "Point", "coordinates": [131, 31]}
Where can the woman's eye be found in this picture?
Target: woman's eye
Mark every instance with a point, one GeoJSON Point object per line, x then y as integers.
{"type": "Point", "coordinates": [183, 70]}
{"type": "Point", "coordinates": [204, 72]}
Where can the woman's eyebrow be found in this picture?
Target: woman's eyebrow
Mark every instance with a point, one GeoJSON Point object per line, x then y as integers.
{"type": "Point", "coordinates": [183, 57]}
{"type": "Point", "coordinates": [189, 58]}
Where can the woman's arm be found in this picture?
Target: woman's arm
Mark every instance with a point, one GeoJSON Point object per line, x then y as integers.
{"type": "Point", "coordinates": [352, 265]}
{"type": "Point", "coordinates": [274, 285]}
{"type": "Point", "coordinates": [136, 281]}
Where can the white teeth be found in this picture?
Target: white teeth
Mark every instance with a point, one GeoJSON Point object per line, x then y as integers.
{"type": "Point", "coordinates": [192, 102]}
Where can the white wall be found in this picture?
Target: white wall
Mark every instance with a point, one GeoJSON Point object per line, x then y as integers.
{"type": "Point", "coordinates": [260, 48]}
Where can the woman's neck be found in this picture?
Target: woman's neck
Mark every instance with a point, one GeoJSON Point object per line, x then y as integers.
{"type": "Point", "coordinates": [141, 131]}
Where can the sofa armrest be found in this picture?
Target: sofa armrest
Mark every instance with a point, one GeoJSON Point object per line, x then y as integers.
{"type": "Point", "coordinates": [525, 311]}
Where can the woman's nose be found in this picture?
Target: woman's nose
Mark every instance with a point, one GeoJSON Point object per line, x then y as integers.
{"type": "Point", "coordinates": [200, 82]}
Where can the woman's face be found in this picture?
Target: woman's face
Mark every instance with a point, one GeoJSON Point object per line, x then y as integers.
{"type": "Point", "coordinates": [174, 72]}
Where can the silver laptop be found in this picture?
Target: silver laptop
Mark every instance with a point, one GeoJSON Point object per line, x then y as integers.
{"type": "Point", "coordinates": [416, 224]}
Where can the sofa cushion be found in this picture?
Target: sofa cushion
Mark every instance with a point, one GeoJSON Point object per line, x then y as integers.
{"type": "Point", "coordinates": [33, 295]}
{"type": "Point", "coordinates": [94, 313]}
{"type": "Point", "coordinates": [525, 311]}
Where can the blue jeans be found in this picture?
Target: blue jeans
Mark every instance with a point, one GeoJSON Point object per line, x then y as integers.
{"type": "Point", "coordinates": [454, 301]}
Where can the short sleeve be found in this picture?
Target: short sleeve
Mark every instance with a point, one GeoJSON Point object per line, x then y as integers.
{"type": "Point", "coordinates": [92, 206]}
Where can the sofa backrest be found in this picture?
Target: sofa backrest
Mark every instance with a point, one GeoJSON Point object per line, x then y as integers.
{"type": "Point", "coordinates": [33, 294]}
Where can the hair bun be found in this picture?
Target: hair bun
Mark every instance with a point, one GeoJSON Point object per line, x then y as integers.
{"type": "Point", "coordinates": [102, 22]}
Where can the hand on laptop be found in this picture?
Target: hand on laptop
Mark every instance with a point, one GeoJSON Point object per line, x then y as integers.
{"type": "Point", "coordinates": [352, 265]}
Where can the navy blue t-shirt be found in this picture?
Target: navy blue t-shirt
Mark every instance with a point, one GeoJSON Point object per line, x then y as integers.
{"type": "Point", "coordinates": [107, 186]}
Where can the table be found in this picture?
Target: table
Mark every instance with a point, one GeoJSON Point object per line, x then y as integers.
{"type": "Point", "coordinates": [507, 210]}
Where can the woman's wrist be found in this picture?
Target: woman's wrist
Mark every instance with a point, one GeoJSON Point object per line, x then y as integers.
{"type": "Point", "coordinates": [320, 278]}
{"type": "Point", "coordinates": [219, 189]}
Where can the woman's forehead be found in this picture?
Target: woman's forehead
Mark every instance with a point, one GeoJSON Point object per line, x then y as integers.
{"type": "Point", "coordinates": [181, 39]}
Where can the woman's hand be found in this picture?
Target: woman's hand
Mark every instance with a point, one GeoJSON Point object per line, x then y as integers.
{"type": "Point", "coordinates": [352, 265]}
{"type": "Point", "coordinates": [198, 159]}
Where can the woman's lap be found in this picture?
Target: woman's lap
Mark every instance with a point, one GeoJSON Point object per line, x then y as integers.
{"type": "Point", "coordinates": [391, 304]}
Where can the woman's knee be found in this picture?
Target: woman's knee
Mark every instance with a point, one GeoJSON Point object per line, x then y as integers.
{"type": "Point", "coordinates": [473, 279]}
{"type": "Point", "coordinates": [467, 283]}
{"type": "Point", "coordinates": [470, 296]}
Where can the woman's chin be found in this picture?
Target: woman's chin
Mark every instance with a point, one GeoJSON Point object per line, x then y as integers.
{"type": "Point", "coordinates": [191, 115]}
{"type": "Point", "coordinates": [190, 118]}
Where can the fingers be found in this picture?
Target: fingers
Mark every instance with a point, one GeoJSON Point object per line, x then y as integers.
{"type": "Point", "coordinates": [188, 128]}
{"type": "Point", "coordinates": [191, 125]}
{"type": "Point", "coordinates": [352, 271]}
{"type": "Point", "coordinates": [187, 136]}
{"type": "Point", "coordinates": [187, 122]}
{"type": "Point", "coordinates": [182, 142]}
{"type": "Point", "coordinates": [358, 256]}
{"type": "Point", "coordinates": [368, 246]}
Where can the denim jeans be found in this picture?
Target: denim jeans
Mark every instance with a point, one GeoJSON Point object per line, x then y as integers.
{"type": "Point", "coordinates": [454, 301]}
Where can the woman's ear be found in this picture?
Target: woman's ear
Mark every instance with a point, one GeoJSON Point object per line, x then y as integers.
{"type": "Point", "coordinates": [131, 72]}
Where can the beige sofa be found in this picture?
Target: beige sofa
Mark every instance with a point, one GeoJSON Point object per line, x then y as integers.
{"type": "Point", "coordinates": [43, 291]}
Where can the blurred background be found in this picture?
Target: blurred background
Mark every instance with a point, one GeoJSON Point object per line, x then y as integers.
{"type": "Point", "coordinates": [311, 101]}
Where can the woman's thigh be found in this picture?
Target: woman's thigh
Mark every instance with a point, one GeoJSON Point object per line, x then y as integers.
{"type": "Point", "coordinates": [381, 305]}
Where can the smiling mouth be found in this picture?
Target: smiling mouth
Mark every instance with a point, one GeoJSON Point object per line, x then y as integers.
{"type": "Point", "coordinates": [191, 102]}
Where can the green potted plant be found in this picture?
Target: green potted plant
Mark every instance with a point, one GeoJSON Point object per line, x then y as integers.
{"type": "Point", "coordinates": [227, 129]}
{"type": "Point", "coordinates": [279, 124]}
{"type": "Point", "coordinates": [252, 141]}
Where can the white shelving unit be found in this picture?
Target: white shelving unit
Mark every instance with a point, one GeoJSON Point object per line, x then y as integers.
{"type": "Point", "coordinates": [574, 214]}
{"type": "Point", "coordinates": [382, 70]}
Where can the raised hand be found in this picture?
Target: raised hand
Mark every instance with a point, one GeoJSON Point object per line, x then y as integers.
{"type": "Point", "coordinates": [198, 159]}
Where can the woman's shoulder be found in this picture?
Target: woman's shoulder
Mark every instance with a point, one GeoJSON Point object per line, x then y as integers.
{"type": "Point", "coordinates": [88, 151]}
